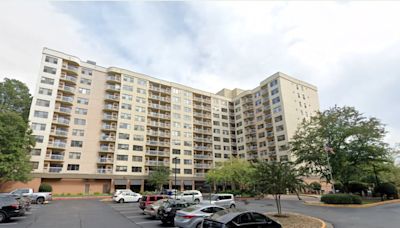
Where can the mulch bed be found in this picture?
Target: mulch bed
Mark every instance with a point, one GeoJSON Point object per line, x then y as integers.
{"type": "Point", "coordinates": [293, 220]}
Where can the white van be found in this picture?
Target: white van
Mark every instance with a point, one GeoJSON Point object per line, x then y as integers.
{"type": "Point", "coordinates": [223, 200]}
{"type": "Point", "coordinates": [192, 196]}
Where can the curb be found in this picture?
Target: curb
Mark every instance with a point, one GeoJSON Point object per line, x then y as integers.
{"type": "Point", "coordinates": [353, 205]}
{"type": "Point", "coordinates": [323, 223]}
{"type": "Point", "coordinates": [81, 198]}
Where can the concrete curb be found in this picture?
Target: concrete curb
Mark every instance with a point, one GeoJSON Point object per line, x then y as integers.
{"type": "Point", "coordinates": [81, 198]}
{"type": "Point", "coordinates": [353, 205]}
{"type": "Point", "coordinates": [323, 223]}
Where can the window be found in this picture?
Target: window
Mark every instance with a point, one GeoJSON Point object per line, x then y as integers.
{"type": "Point", "coordinates": [217, 139]}
{"type": "Point", "coordinates": [138, 138]}
{"type": "Point", "coordinates": [78, 132]}
{"type": "Point", "coordinates": [140, 109]}
{"type": "Point", "coordinates": [176, 151]}
{"type": "Point", "coordinates": [187, 126]}
{"type": "Point", "coordinates": [187, 118]}
{"type": "Point", "coordinates": [141, 82]}
{"type": "Point", "coordinates": [176, 107]}
{"type": "Point", "coordinates": [41, 114]}
{"type": "Point", "coordinates": [38, 126]}
{"type": "Point", "coordinates": [126, 106]}
{"type": "Point", "coordinates": [128, 78]}
{"type": "Point", "coordinates": [258, 102]}
{"type": "Point", "coordinates": [217, 147]}
{"type": "Point", "coordinates": [279, 128]}
{"type": "Point", "coordinates": [274, 91]}
{"type": "Point", "coordinates": [276, 100]}
{"type": "Point", "coordinates": [126, 116]}
{"type": "Point", "coordinates": [50, 70]}
{"type": "Point", "coordinates": [140, 100]}
{"type": "Point", "coordinates": [138, 128]}
{"type": "Point", "coordinates": [74, 155]}
{"type": "Point", "coordinates": [176, 142]}
{"type": "Point", "coordinates": [82, 100]}
{"type": "Point", "coordinates": [277, 109]}
{"type": "Point", "coordinates": [121, 157]}
{"type": "Point", "coordinates": [45, 91]}
{"type": "Point", "coordinates": [137, 148]}
{"type": "Point", "coordinates": [73, 167]}
{"type": "Point", "coordinates": [86, 71]}
{"type": "Point", "coordinates": [126, 97]}
{"type": "Point", "coordinates": [273, 83]}
{"type": "Point", "coordinates": [187, 109]}
{"type": "Point", "coordinates": [187, 152]}
{"type": "Point", "coordinates": [123, 136]}
{"type": "Point", "coordinates": [123, 146]}
{"type": "Point", "coordinates": [278, 118]}
{"type": "Point", "coordinates": [81, 111]}
{"type": "Point", "coordinates": [176, 99]}
{"type": "Point", "coordinates": [75, 143]}
{"type": "Point", "coordinates": [39, 138]}
{"type": "Point", "coordinates": [120, 168]}
{"type": "Point", "coordinates": [84, 91]}
{"type": "Point", "coordinates": [218, 155]}
{"type": "Point", "coordinates": [51, 60]}
{"type": "Point", "coordinates": [137, 158]}
{"type": "Point", "coordinates": [187, 134]}
{"type": "Point", "coordinates": [187, 171]}
{"type": "Point", "coordinates": [176, 91]}
{"type": "Point", "coordinates": [43, 103]}
{"type": "Point", "coordinates": [136, 169]}
{"type": "Point", "coordinates": [36, 152]}
{"type": "Point", "coordinates": [141, 91]}
{"type": "Point", "coordinates": [86, 81]}
{"type": "Point", "coordinates": [46, 80]}
{"type": "Point", "coordinates": [187, 101]}
{"type": "Point", "coordinates": [127, 88]}
{"type": "Point", "coordinates": [141, 119]}
{"type": "Point", "coordinates": [176, 116]}
{"type": "Point", "coordinates": [187, 161]}
{"type": "Point", "coordinates": [124, 126]}
{"type": "Point", "coordinates": [176, 161]}
{"type": "Point", "coordinates": [187, 143]}
{"type": "Point", "coordinates": [177, 171]}
{"type": "Point", "coordinates": [78, 121]}
{"type": "Point", "coordinates": [176, 133]}
{"type": "Point", "coordinates": [35, 165]}
{"type": "Point", "coordinates": [280, 138]}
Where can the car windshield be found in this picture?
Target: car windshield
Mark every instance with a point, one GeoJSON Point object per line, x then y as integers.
{"type": "Point", "coordinates": [214, 197]}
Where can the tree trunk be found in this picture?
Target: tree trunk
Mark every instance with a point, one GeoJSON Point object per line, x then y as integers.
{"type": "Point", "coordinates": [278, 203]}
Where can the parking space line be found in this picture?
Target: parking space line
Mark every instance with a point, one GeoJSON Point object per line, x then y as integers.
{"type": "Point", "coordinates": [21, 217]}
{"type": "Point", "coordinates": [155, 221]}
{"type": "Point", "coordinates": [134, 216]}
{"type": "Point", "coordinates": [6, 224]}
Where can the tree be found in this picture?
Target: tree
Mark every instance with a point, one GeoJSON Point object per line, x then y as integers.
{"type": "Point", "coordinates": [315, 186]}
{"type": "Point", "coordinates": [354, 143]}
{"type": "Point", "coordinates": [15, 97]}
{"type": "Point", "coordinates": [277, 178]}
{"type": "Point", "coordinates": [159, 176]}
{"type": "Point", "coordinates": [15, 144]}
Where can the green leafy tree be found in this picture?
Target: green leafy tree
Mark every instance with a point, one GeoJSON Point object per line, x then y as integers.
{"type": "Point", "coordinates": [356, 144]}
{"type": "Point", "coordinates": [315, 186]}
{"type": "Point", "coordinates": [159, 176]}
{"type": "Point", "coordinates": [15, 97]}
{"type": "Point", "coordinates": [277, 178]}
{"type": "Point", "coordinates": [15, 145]}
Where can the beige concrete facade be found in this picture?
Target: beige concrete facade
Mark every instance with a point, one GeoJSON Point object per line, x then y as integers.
{"type": "Point", "coordinates": [110, 127]}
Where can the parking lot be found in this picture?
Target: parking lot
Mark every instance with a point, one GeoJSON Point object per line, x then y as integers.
{"type": "Point", "coordinates": [24, 221]}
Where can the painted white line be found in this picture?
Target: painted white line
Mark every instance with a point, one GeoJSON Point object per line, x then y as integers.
{"type": "Point", "coordinates": [128, 212]}
{"type": "Point", "coordinates": [155, 221]}
{"type": "Point", "coordinates": [134, 216]}
{"type": "Point", "coordinates": [6, 224]}
{"type": "Point", "coordinates": [21, 217]}
{"type": "Point", "coordinates": [28, 213]}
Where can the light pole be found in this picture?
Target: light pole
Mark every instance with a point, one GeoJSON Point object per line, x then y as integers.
{"type": "Point", "coordinates": [328, 150]}
{"type": "Point", "coordinates": [176, 161]}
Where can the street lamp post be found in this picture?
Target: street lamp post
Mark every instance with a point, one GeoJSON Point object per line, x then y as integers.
{"type": "Point", "coordinates": [176, 159]}
{"type": "Point", "coordinates": [328, 150]}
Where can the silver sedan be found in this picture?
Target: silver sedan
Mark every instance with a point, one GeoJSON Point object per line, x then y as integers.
{"type": "Point", "coordinates": [192, 216]}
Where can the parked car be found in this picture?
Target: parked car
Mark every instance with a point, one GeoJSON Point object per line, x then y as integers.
{"type": "Point", "coordinates": [9, 207]}
{"type": "Point", "coordinates": [189, 196]}
{"type": "Point", "coordinates": [234, 217]}
{"type": "Point", "coordinates": [168, 209]}
{"type": "Point", "coordinates": [149, 199]}
{"type": "Point", "coordinates": [152, 209]}
{"type": "Point", "coordinates": [192, 217]}
{"type": "Point", "coordinates": [119, 191]}
{"type": "Point", "coordinates": [223, 200]}
{"type": "Point", "coordinates": [36, 197]}
{"type": "Point", "coordinates": [126, 196]}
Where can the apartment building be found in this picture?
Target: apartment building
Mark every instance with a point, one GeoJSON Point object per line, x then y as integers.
{"type": "Point", "coordinates": [100, 128]}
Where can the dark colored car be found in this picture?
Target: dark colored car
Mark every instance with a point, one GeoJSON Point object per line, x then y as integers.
{"type": "Point", "coordinates": [167, 211]}
{"type": "Point", "coordinates": [10, 207]}
{"type": "Point", "coordinates": [239, 218]}
{"type": "Point", "coordinates": [149, 199]}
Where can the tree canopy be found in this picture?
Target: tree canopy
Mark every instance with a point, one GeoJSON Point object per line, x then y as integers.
{"type": "Point", "coordinates": [159, 176]}
{"type": "Point", "coordinates": [353, 143]}
{"type": "Point", "coordinates": [15, 97]}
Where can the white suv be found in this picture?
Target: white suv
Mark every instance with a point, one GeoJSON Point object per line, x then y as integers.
{"type": "Point", "coordinates": [126, 196]}
{"type": "Point", "coordinates": [223, 200]}
{"type": "Point", "coordinates": [190, 196]}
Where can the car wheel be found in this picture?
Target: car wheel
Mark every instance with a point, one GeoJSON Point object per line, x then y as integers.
{"type": "Point", "coordinates": [40, 200]}
{"type": "Point", "coordinates": [232, 206]}
{"type": "Point", "coordinates": [121, 201]}
{"type": "Point", "coordinates": [197, 201]}
{"type": "Point", "coordinates": [198, 225]}
{"type": "Point", "coordinates": [138, 200]}
{"type": "Point", "coordinates": [3, 217]}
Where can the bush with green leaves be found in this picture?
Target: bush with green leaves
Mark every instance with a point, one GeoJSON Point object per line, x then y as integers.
{"type": "Point", "coordinates": [315, 186]}
{"type": "Point", "coordinates": [341, 199]}
{"type": "Point", "coordinates": [45, 187]}
{"type": "Point", "coordinates": [357, 187]}
{"type": "Point", "coordinates": [387, 189]}
{"type": "Point", "coordinates": [339, 187]}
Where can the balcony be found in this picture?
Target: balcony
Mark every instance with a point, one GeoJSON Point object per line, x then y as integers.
{"type": "Point", "coordinates": [159, 115]}
{"type": "Point", "coordinates": [156, 163]}
{"type": "Point", "coordinates": [203, 166]}
{"type": "Point", "coordinates": [113, 88]}
{"type": "Point", "coordinates": [251, 139]}
{"type": "Point", "coordinates": [110, 107]}
{"type": "Point", "coordinates": [70, 68]}
{"type": "Point", "coordinates": [270, 134]}
{"type": "Point", "coordinates": [63, 110]}
{"type": "Point", "coordinates": [53, 169]}
{"type": "Point", "coordinates": [108, 127]}
{"type": "Point", "coordinates": [248, 114]}
{"type": "Point", "coordinates": [247, 123]}
{"type": "Point", "coordinates": [251, 148]}
{"type": "Point", "coordinates": [107, 138]}
{"type": "Point", "coordinates": [251, 131]}
{"type": "Point", "coordinates": [111, 97]}
{"type": "Point", "coordinates": [158, 133]}
{"type": "Point", "coordinates": [57, 144]}
{"type": "Point", "coordinates": [205, 148]}
{"type": "Point", "coordinates": [105, 160]}
{"type": "Point", "coordinates": [113, 78]}
{"type": "Point", "coordinates": [157, 106]}
{"type": "Point", "coordinates": [66, 89]}
{"type": "Point", "coordinates": [268, 117]}
{"type": "Point", "coordinates": [157, 153]}
{"type": "Point", "coordinates": [268, 125]}
{"type": "Point", "coordinates": [56, 157]}
{"type": "Point", "coordinates": [159, 124]}
{"type": "Point", "coordinates": [68, 78]}
{"type": "Point", "coordinates": [252, 156]}
{"type": "Point", "coordinates": [61, 121]}
{"type": "Point", "coordinates": [159, 89]}
{"type": "Point", "coordinates": [160, 98]}
{"type": "Point", "coordinates": [200, 174]}
{"type": "Point", "coordinates": [59, 133]}
{"type": "Point", "coordinates": [110, 117]}
{"type": "Point", "coordinates": [271, 143]}
{"type": "Point", "coordinates": [158, 143]}
{"type": "Point", "coordinates": [202, 156]}
{"type": "Point", "coordinates": [106, 149]}
{"type": "Point", "coordinates": [104, 171]}
{"type": "Point", "coordinates": [200, 139]}
{"type": "Point", "coordinates": [65, 99]}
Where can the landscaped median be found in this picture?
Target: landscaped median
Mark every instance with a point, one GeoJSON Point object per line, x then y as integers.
{"type": "Point", "coordinates": [295, 220]}
{"type": "Point", "coordinates": [353, 205]}
{"type": "Point", "coordinates": [80, 196]}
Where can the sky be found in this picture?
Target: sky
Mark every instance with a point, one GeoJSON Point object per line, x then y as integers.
{"type": "Point", "coordinates": [349, 50]}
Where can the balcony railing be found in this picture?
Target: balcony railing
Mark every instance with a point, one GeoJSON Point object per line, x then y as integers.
{"type": "Point", "coordinates": [159, 89]}
{"type": "Point", "coordinates": [107, 138]}
{"type": "Point", "coordinates": [159, 124]}
{"type": "Point", "coordinates": [201, 156]}
{"type": "Point", "coordinates": [111, 97]}
{"type": "Point", "coordinates": [70, 67]}
{"type": "Point", "coordinates": [61, 121]}
{"type": "Point", "coordinates": [111, 107]}
{"type": "Point", "coordinates": [107, 149]}
{"type": "Point", "coordinates": [55, 156]}
{"type": "Point", "coordinates": [157, 163]}
{"type": "Point", "coordinates": [54, 169]}
{"type": "Point", "coordinates": [109, 127]}
{"type": "Point", "coordinates": [67, 88]}
{"type": "Point", "coordinates": [68, 78]}
{"type": "Point", "coordinates": [157, 152]}
{"type": "Point", "coordinates": [110, 117]}
{"type": "Point", "coordinates": [159, 115]}
{"type": "Point", "coordinates": [105, 160]}
{"type": "Point", "coordinates": [200, 174]}
{"type": "Point", "coordinates": [207, 166]}
{"type": "Point", "coordinates": [57, 144]}
{"type": "Point", "coordinates": [158, 143]}
{"type": "Point", "coordinates": [113, 87]}
{"type": "Point", "coordinates": [59, 132]}
{"type": "Point", "coordinates": [113, 78]}
{"type": "Point", "coordinates": [158, 133]}
{"type": "Point", "coordinates": [63, 110]}
{"type": "Point", "coordinates": [104, 171]}
{"type": "Point", "coordinates": [66, 99]}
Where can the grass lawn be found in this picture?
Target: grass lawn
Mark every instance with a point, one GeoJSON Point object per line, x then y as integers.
{"type": "Point", "coordinates": [79, 195]}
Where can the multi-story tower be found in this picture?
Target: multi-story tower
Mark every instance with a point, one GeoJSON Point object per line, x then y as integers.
{"type": "Point", "coordinates": [102, 128]}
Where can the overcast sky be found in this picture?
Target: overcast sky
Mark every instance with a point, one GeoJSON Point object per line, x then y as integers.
{"type": "Point", "coordinates": [349, 50]}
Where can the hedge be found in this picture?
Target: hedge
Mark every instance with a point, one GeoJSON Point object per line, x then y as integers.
{"type": "Point", "coordinates": [44, 187]}
{"type": "Point", "coordinates": [341, 199]}
{"type": "Point", "coordinates": [387, 189]}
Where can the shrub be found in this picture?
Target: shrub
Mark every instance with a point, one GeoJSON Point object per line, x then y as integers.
{"type": "Point", "coordinates": [387, 189]}
{"type": "Point", "coordinates": [44, 187]}
{"type": "Point", "coordinates": [357, 187]}
{"type": "Point", "coordinates": [315, 186]}
{"type": "Point", "coordinates": [341, 199]}
{"type": "Point", "coordinates": [97, 193]}
{"type": "Point", "coordinates": [80, 194]}
{"type": "Point", "coordinates": [339, 187]}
